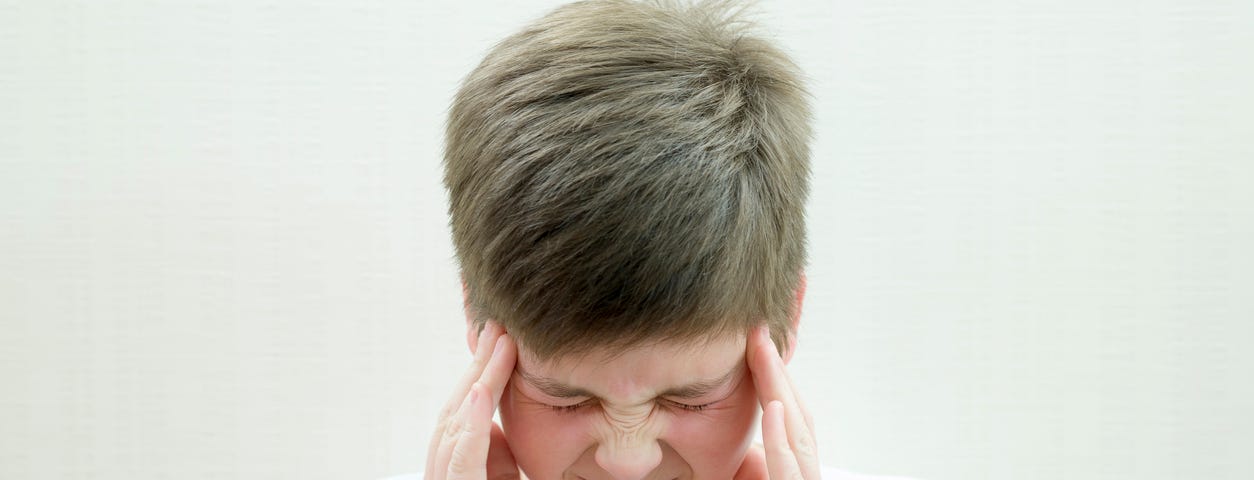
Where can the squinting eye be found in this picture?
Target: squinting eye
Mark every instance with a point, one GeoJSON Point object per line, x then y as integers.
{"type": "Point", "coordinates": [577, 406]}
{"type": "Point", "coordinates": [567, 408]}
{"type": "Point", "coordinates": [691, 408]}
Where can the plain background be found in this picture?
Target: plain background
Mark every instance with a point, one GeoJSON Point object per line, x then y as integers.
{"type": "Point", "coordinates": [224, 250]}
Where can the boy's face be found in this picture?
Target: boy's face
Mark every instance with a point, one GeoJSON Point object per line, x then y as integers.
{"type": "Point", "coordinates": [655, 412]}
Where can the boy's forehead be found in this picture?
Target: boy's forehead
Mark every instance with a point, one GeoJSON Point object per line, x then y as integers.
{"type": "Point", "coordinates": [722, 350]}
{"type": "Point", "coordinates": [681, 370]}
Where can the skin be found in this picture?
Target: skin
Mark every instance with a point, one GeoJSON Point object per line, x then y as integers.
{"type": "Point", "coordinates": [628, 426]}
{"type": "Point", "coordinates": [625, 431]}
{"type": "Point", "coordinates": [624, 417]}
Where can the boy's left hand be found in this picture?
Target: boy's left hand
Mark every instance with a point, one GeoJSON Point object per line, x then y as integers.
{"type": "Point", "coordinates": [787, 428]}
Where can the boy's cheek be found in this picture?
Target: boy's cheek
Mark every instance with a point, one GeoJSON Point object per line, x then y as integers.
{"type": "Point", "coordinates": [542, 445]}
{"type": "Point", "coordinates": [717, 443]}
{"type": "Point", "coordinates": [728, 417]}
{"type": "Point", "coordinates": [731, 421]}
{"type": "Point", "coordinates": [529, 419]}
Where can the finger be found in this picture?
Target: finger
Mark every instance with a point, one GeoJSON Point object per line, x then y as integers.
{"type": "Point", "coordinates": [805, 411]}
{"type": "Point", "coordinates": [491, 384]}
{"type": "Point", "coordinates": [810, 434]}
{"type": "Point", "coordinates": [761, 365]}
{"type": "Point", "coordinates": [805, 443]}
{"type": "Point", "coordinates": [499, 368]}
{"type": "Point", "coordinates": [483, 352]}
{"type": "Point", "coordinates": [446, 438]}
{"type": "Point", "coordinates": [469, 455]}
{"type": "Point", "coordinates": [769, 377]}
{"type": "Point", "coordinates": [773, 384]}
{"type": "Point", "coordinates": [781, 463]}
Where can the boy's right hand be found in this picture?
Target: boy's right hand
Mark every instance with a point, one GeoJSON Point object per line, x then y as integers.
{"type": "Point", "coordinates": [467, 445]}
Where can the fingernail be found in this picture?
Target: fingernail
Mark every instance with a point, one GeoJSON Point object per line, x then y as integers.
{"type": "Point", "coordinates": [474, 393]}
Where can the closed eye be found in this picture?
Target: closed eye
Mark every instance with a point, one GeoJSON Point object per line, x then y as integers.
{"type": "Point", "coordinates": [576, 407]}
{"type": "Point", "coordinates": [690, 408]}
{"type": "Point", "coordinates": [569, 408]}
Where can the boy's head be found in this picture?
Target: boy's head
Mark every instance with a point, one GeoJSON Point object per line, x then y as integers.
{"type": "Point", "coordinates": [627, 185]}
{"type": "Point", "coordinates": [625, 173]}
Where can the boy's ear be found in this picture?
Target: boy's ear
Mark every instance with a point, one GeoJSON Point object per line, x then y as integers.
{"type": "Point", "coordinates": [796, 318]}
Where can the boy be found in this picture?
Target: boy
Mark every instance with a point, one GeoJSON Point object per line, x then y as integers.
{"type": "Point", "coordinates": [627, 185]}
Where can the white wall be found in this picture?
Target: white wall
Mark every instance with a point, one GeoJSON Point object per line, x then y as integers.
{"type": "Point", "coordinates": [224, 253]}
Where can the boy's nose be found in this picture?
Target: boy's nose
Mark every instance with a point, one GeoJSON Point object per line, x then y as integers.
{"type": "Point", "coordinates": [629, 461]}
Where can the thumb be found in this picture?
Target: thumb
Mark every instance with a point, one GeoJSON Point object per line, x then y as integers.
{"type": "Point", "coordinates": [501, 464]}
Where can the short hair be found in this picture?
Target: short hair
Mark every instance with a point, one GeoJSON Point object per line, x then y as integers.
{"type": "Point", "coordinates": [624, 173]}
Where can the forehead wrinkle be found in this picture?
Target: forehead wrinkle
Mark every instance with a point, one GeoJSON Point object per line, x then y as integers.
{"type": "Point", "coordinates": [699, 388]}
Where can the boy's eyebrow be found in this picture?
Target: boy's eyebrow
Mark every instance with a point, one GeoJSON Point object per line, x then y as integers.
{"type": "Point", "coordinates": [704, 387]}
{"type": "Point", "coordinates": [552, 387]}
{"type": "Point", "coordinates": [556, 389]}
